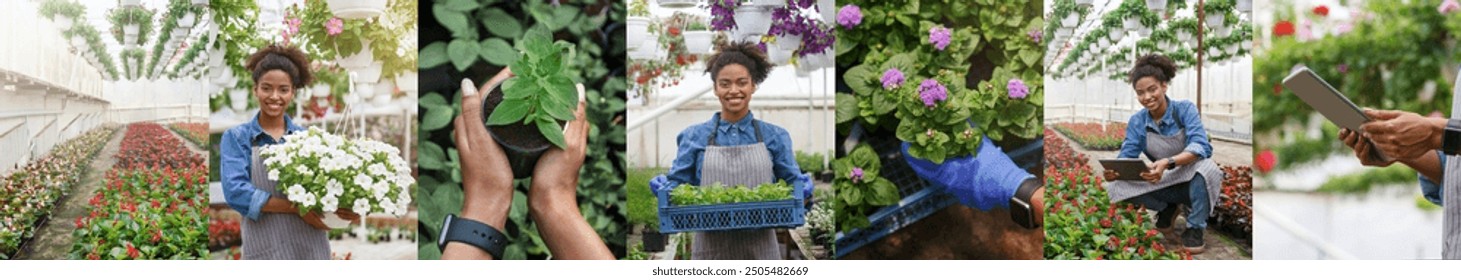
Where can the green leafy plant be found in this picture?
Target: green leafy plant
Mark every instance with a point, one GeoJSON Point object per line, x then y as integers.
{"type": "Point", "coordinates": [1217, 6]}
{"type": "Point", "coordinates": [696, 26]}
{"type": "Point", "coordinates": [539, 93]}
{"type": "Point", "coordinates": [689, 195]}
{"type": "Point", "coordinates": [860, 188]}
{"type": "Point", "coordinates": [639, 8]}
{"type": "Point", "coordinates": [52, 8]}
{"type": "Point", "coordinates": [128, 15]}
{"type": "Point", "coordinates": [810, 162]}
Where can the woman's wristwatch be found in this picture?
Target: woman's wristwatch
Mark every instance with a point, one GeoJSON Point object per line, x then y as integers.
{"type": "Point", "coordinates": [1171, 163]}
{"type": "Point", "coordinates": [478, 234]}
{"type": "Point", "coordinates": [1451, 138]}
{"type": "Point", "coordinates": [1022, 209]}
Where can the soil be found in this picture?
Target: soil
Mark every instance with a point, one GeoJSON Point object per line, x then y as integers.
{"type": "Point", "coordinates": [53, 240]}
{"type": "Point", "coordinates": [958, 233]}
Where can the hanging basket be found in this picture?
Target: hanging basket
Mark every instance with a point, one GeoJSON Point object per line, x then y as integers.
{"type": "Point", "coordinates": [677, 4]}
{"type": "Point", "coordinates": [1156, 6]}
{"type": "Point", "coordinates": [778, 56]}
{"type": "Point", "coordinates": [638, 31]}
{"type": "Point", "coordinates": [408, 82]}
{"type": "Point", "coordinates": [698, 42]}
{"type": "Point", "coordinates": [752, 21]}
{"type": "Point", "coordinates": [1215, 20]}
{"type": "Point", "coordinates": [368, 74]}
{"type": "Point", "coordinates": [828, 9]}
{"type": "Point", "coordinates": [320, 90]}
{"type": "Point", "coordinates": [768, 3]}
{"type": "Point", "coordinates": [65, 22]}
{"type": "Point", "coordinates": [789, 42]}
{"type": "Point", "coordinates": [1245, 6]}
{"type": "Point", "coordinates": [357, 9]}
{"type": "Point", "coordinates": [1070, 20]}
{"type": "Point", "coordinates": [1131, 23]}
{"type": "Point", "coordinates": [187, 20]}
{"type": "Point", "coordinates": [358, 60]}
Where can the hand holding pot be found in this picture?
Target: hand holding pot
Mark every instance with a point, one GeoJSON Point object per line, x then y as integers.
{"type": "Point", "coordinates": [553, 200]}
{"type": "Point", "coordinates": [486, 175]}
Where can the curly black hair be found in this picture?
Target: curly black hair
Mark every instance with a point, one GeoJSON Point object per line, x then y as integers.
{"type": "Point", "coordinates": [744, 53]}
{"type": "Point", "coordinates": [1157, 66]}
{"type": "Point", "coordinates": [283, 58]}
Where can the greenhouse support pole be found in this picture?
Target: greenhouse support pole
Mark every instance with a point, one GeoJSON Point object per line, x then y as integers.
{"type": "Point", "coordinates": [666, 108]}
{"type": "Point", "coordinates": [1201, 20]}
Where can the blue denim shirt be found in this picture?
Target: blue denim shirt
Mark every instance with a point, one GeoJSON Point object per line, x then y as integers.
{"type": "Point", "coordinates": [236, 155]}
{"type": "Point", "coordinates": [1431, 188]}
{"type": "Point", "coordinates": [692, 142]}
{"type": "Point", "coordinates": [1182, 111]}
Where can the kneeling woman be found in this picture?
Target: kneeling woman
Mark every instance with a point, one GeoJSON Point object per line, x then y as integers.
{"type": "Point", "coordinates": [734, 148]}
{"type": "Point", "coordinates": [1170, 133]}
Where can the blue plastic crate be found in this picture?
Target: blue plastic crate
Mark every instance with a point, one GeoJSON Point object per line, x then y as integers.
{"type": "Point", "coordinates": [789, 213]}
{"type": "Point", "coordinates": [925, 198]}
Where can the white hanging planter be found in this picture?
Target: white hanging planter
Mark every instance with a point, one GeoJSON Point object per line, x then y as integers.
{"type": "Point", "coordinates": [65, 22]}
{"type": "Point", "coordinates": [1144, 31]}
{"type": "Point", "coordinates": [368, 74]}
{"type": "Point", "coordinates": [1215, 20]}
{"type": "Point", "coordinates": [364, 90]}
{"type": "Point", "coordinates": [828, 9]}
{"type": "Point", "coordinates": [179, 34]}
{"type": "Point", "coordinates": [789, 42]}
{"type": "Point", "coordinates": [778, 56]}
{"type": "Point", "coordinates": [1232, 48]}
{"type": "Point", "coordinates": [645, 50]}
{"type": "Point", "coordinates": [677, 4]}
{"type": "Point", "coordinates": [357, 9]}
{"type": "Point", "coordinates": [239, 99]}
{"type": "Point", "coordinates": [1115, 35]}
{"type": "Point", "coordinates": [352, 99]}
{"type": "Point", "coordinates": [129, 39]}
{"type": "Point", "coordinates": [1063, 32]}
{"type": "Point", "coordinates": [334, 221]}
{"type": "Point", "coordinates": [130, 29]}
{"type": "Point", "coordinates": [320, 90]}
{"type": "Point", "coordinates": [131, 2]}
{"type": "Point", "coordinates": [698, 42]}
{"type": "Point", "coordinates": [187, 20]}
{"type": "Point", "coordinates": [752, 21]}
{"type": "Point", "coordinates": [381, 100]}
{"type": "Point", "coordinates": [78, 41]}
{"type": "Point", "coordinates": [1070, 20]}
{"type": "Point", "coordinates": [638, 31]}
{"type": "Point", "coordinates": [386, 88]}
{"type": "Point", "coordinates": [1156, 6]}
{"type": "Point", "coordinates": [1245, 6]}
{"type": "Point", "coordinates": [1183, 35]}
{"type": "Point", "coordinates": [200, 2]}
{"type": "Point", "coordinates": [1131, 23]}
{"type": "Point", "coordinates": [358, 60]}
{"type": "Point", "coordinates": [408, 82]}
{"type": "Point", "coordinates": [767, 3]}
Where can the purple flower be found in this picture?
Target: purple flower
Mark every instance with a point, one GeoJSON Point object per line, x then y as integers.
{"type": "Point", "coordinates": [856, 175]}
{"type": "Point", "coordinates": [1448, 6]}
{"type": "Point", "coordinates": [334, 26]}
{"type": "Point", "coordinates": [892, 78]}
{"type": "Point", "coordinates": [939, 37]}
{"type": "Point", "coordinates": [932, 92]}
{"type": "Point", "coordinates": [1343, 69]}
{"type": "Point", "coordinates": [849, 16]}
{"type": "Point", "coordinates": [1036, 35]}
{"type": "Point", "coordinates": [789, 21]}
{"type": "Point", "coordinates": [803, 3]}
{"type": "Point", "coordinates": [1017, 89]}
{"type": "Point", "coordinates": [817, 40]}
{"type": "Point", "coordinates": [722, 14]}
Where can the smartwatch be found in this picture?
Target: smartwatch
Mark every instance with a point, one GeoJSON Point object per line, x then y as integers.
{"type": "Point", "coordinates": [1022, 209]}
{"type": "Point", "coordinates": [483, 236]}
{"type": "Point", "coordinates": [1171, 163]}
{"type": "Point", "coordinates": [1451, 139]}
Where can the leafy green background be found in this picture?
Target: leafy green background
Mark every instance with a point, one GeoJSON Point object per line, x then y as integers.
{"type": "Point", "coordinates": [464, 38]}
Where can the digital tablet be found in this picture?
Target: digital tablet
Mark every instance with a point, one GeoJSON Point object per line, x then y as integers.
{"type": "Point", "coordinates": [1127, 169]}
{"type": "Point", "coordinates": [1325, 99]}
{"type": "Point", "coordinates": [1329, 102]}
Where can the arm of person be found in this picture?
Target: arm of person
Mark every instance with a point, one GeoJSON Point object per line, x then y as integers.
{"type": "Point", "coordinates": [1431, 168]}
{"type": "Point", "coordinates": [783, 160]}
{"type": "Point", "coordinates": [686, 167]}
{"type": "Point", "coordinates": [553, 201]}
{"type": "Point", "coordinates": [238, 189]}
{"type": "Point", "coordinates": [486, 176]}
{"type": "Point", "coordinates": [1135, 141]}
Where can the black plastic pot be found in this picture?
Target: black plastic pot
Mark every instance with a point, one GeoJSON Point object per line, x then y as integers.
{"type": "Point", "coordinates": [520, 142]}
{"type": "Point", "coordinates": [654, 241]}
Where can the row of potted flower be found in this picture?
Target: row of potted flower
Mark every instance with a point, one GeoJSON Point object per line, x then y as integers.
{"type": "Point", "coordinates": [29, 194]}
{"type": "Point", "coordinates": [1082, 223]}
{"type": "Point", "coordinates": [194, 132]}
{"type": "Point", "coordinates": [152, 204]}
{"type": "Point", "coordinates": [1095, 136]}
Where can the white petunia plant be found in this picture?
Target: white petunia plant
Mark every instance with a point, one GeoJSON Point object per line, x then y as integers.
{"type": "Point", "coordinates": [323, 172]}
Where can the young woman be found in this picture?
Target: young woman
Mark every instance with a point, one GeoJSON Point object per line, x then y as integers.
{"type": "Point", "coordinates": [733, 148]}
{"type": "Point", "coordinates": [272, 227]}
{"type": "Point", "coordinates": [1170, 133]}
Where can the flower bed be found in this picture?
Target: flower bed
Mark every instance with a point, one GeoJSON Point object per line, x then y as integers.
{"type": "Point", "coordinates": [152, 205]}
{"type": "Point", "coordinates": [148, 145]}
{"type": "Point", "coordinates": [1094, 136]}
{"type": "Point", "coordinates": [28, 194]}
{"type": "Point", "coordinates": [1082, 223]}
{"type": "Point", "coordinates": [195, 132]}
{"type": "Point", "coordinates": [1234, 212]}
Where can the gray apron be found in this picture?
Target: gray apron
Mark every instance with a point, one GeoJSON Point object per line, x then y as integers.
{"type": "Point", "coordinates": [279, 236]}
{"type": "Point", "coordinates": [748, 165]}
{"type": "Point", "coordinates": [1451, 192]}
{"type": "Point", "coordinates": [1159, 146]}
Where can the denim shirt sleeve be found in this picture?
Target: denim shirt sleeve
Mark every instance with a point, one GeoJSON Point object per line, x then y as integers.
{"type": "Point", "coordinates": [686, 167]}
{"type": "Point", "coordinates": [234, 163]}
{"type": "Point", "coordinates": [783, 159]}
{"type": "Point", "coordinates": [1135, 141]}
{"type": "Point", "coordinates": [1197, 142]}
{"type": "Point", "coordinates": [1431, 188]}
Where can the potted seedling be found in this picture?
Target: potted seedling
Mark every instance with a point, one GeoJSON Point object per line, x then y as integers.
{"type": "Point", "coordinates": [638, 23]}
{"type": "Point", "coordinates": [525, 113]}
{"type": "Point", "coordinates": [698, 37]}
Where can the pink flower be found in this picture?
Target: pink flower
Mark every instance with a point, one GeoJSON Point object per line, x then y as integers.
{"type": "Point", "coordinates": [292, 25]}
{"type": "Point", "coordinates": [1449, 6]}
{"type": "Point", "coordinates": [334, 26]}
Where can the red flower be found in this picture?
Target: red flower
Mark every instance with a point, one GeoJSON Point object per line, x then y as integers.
{"type": "Point", "coordinates": [1105, 223]}
{"type": "Point", "coordinates": [1283, 28]}
{"type": "Point", "coordinates": [1265, 160]}
{"type": "Point", "coordinates": [157, 236]}
{"type": "Point", "coordinates": [132, 251]}
{"type": "Point", "coordinates": [1321, 10]}
{"type": "Point", "coordinates": [674, 31]}
{"type": "Point", "coordinates": [80, 222]}
{"type": "Point", "coordinates": [1151, 233]}
{"type": "Point", "coordinates": [93, 256]}
{"type": "Point", "coordinates": [156, 204]}
{"type": "Point", "coordinates": [1131, 240]}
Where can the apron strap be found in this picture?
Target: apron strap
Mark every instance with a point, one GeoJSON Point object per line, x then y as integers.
{"type": "Point", "coordinates": [754, 125]}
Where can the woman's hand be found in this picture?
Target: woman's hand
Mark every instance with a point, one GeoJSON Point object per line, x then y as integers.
{"type": "Point", "coordinates": [1155, 170]}
{"type": "Point", "coordinates": [348, 215]}
{"type": "Point", "coordinates": [1362, 148]}
{"type": "Point", "coordinates": [1111, 175]}
{"type": "Point", "coordinates": [552, 201]}
{"type": "Point", "coordinates": [1403, 135]}
{"type": "Point", "coordinates": [314, 219]}
{"type": "Point", "coordinates": [486, 175]}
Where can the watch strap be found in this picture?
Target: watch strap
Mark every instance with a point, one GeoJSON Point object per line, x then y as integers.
{"type": "Point", "coordinates": [477, 234]}
{"type": "Point", "coordinates": [1022, 209]}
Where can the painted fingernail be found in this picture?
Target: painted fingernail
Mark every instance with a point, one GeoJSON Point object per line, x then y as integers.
{"type": "Point", "coordinates": [468, 89]}
{"type": "Point", "coordinates": [580, 92]}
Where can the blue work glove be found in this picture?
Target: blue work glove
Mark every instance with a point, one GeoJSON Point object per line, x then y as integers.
{"type": "Point", "coordinates": [804, 183]}
{"type": "Point", "coordinates": [659, 184]}
{"type": "Point", "coordinates": [986, 182]}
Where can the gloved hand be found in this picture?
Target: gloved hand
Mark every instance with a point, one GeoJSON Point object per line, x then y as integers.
{"type": "Point", "coordinates": [804, 184]}
{"type": "Point", "coordinates": [659, 184]}
{"type": "Point", "coordinates": [985, 182]}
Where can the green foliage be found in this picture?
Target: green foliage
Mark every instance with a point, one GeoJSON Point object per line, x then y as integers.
{"type": "Point", "coordinates": [127, 15]}
{"type": "Point", "coordinates": [51, 8]}
{"type": "Point", "coordinates": [1364, 181]}
{"type": "Point", "coordinates": [601, 194]}
{"type": "Point", "coordinates": [813, 163]}
{"type": "Point", "coordinates": [858, 197]}
{"type": "Point", "coordinates": [539, 93]}
{"type": "Point", "coordinates": [688, 195]}
{"type": "Point", "coordinates": [643, 205]}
